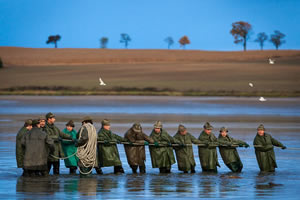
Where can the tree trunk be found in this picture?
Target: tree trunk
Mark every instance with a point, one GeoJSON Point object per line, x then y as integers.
{"type": "Point", "coordinates": [245, 44]}
{"type": "Point", "coordinates": [55, 44]}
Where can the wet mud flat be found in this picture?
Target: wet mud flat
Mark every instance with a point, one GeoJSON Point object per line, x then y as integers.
{"type": "Point", "coordinates": [240, 115]}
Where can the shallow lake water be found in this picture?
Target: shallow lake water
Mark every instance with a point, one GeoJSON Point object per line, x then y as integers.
{"type": "Point", "coordinates": [281, 116]}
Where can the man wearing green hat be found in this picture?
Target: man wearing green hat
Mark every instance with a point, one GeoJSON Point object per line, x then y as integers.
{"type": "Point", "coordinates": [136, 155]}
{"type": "Point", "coordinates": [162, 155]}
{"type": "Point", "coordinates": [208, 154]}
{"type": "Point", "coordinates": [108, 154]}
{"type": "Point", "coordinates": [42, 120]}
{"type": "Point", "coordinates": [264, 150]}
{"type": "Point", "coordinates": [36, 144]}
{"type": "Point", "coordinates": [56, 135]}
{"type": "Point", "coordinates": [19, 149]}
{"type": "Point", "coordinates": [184, 153]}
{"type": "Point", "coordinates": [229, 152]}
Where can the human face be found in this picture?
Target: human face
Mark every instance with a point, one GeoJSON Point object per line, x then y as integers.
{"type": "Point", "coordinates": [29, 127]}
{"type": "Point", "coordinates": [207, 131]}
{"type": "Point", "coordinates": [42, 123]}
{"type": "Point", "coordinates": [261, 132]}
{"type": "Point", "coordinates": [183, 132]}
{"type": "Point", "coordinates": [38, 125]}
{"type": "Point", "coordinates": [157, 130]}
{"type": "Point", "coordinates": [224, 133]}
{"type": "Point", "coordinates": [51, 120]}
{"type": "Point", "coordinates": [106, 127]}
{"type": "Point", "coordinates": [69, 128]}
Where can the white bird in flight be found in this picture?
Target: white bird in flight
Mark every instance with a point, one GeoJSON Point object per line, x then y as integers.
{"type": "Point", "coordinates": [251, 84]}
{"type": "Point", "coordinates": [262, 99]}
{"type": "Point", "coordinates": [271, 62]}
{"type": "Point", "coordinates": [101, 82]}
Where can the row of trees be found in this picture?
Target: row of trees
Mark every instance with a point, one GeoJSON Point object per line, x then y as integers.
{"type": "Point", "coordinates": [241, 32]}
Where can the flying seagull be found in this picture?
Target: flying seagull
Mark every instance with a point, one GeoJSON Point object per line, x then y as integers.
{"type": "Point", "coordinates": [262, 99]}
{"type": "Point", "coordinates": [271, 62]}
{"type": "Point", "coordinates": [251, 84]}
{"type": "Point", "coordinates": [101, 82]}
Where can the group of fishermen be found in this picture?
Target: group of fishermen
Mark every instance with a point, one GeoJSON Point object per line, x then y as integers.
{"type": "Point", "coordinates": [40, 145]}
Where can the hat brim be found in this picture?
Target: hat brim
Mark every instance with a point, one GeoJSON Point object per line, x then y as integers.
{"type": "Point", "coordinates": [136, 130]}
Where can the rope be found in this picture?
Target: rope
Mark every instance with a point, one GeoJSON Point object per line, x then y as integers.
{"type": "Point", "coordinates": [63, 158]}
{"type": "Point", "coordinates": [87, 153]}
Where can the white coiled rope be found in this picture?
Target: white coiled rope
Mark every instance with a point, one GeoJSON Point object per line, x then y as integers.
{"type": "Point", "coordinates": [87, 153]}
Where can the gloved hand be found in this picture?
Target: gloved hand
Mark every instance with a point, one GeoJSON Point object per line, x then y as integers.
{"type": "Point", "coordinates": [284, 147]}
{"type": "Point", "coordinates": [106, 142]}
{"type": "Point", "coordinates": [130, 143]}
{"type": "Point", "coordinates": [182, 145]}
{"type": "Point", "coordinates": [156, 144]}
{"type": "Point", "coordinates": [169, 144]}
{"type": "Point", "coordinates": [146, 143]}
{"type": "Point", "coordinates": [247, 145]}
{"type": "Point", "coordinates": [118, 142]}
{"type": "Point", "coordinates": [241, 145]}
{"type": "Point", "coordinates": [74, 140]}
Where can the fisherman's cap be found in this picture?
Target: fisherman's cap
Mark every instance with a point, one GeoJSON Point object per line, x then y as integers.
{"type": "Point", "coordinates": [70, 123]}
{"type": "Point", "coordinates": [181, 128]}
{"type": "Point", "coordinates": [35, 122]}
{"type": "Point", "coordinates": [87, 118]}
{"type": "Point", "coordinates": [158, 124]}
{"type": "Point", "coordinates": [105, 122]}
{"type": "Point", "coordinates": [28, 122]}
{"type": "Point", "coordinates": [261, 127]}
{"type": "Point", "coordinates": [208, 126]}
{"type": "Point", "coordinates": [223, 129]}
{"type": "Point", "coordinates": [42, 118]}
{"type": "Point", "coordinates": [137, 127]}
{"type": "Point", "coordinates": [49, 115]}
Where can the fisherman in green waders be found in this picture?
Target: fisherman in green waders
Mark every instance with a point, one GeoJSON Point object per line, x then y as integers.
{"type": "Point", "coordinates": [208, 154]}
{"type": "Point", "coordinates": [69, 148]}
{"type": "Point", "coordinates": [87, 147]}
{"type": "Point", "coordinates": [184, 153]}
{"type": "Point", "coordinates": [162, 155]}
{"type": "Point", "coordinates": [20, 151]}
{"type": "Point", "coordinates": [136, 155]}
{"type": "Point", "coordinates": [56, 135]}
{"type": "Point", "coordinates": [264, 150]}
{"type": "Point", "coordinates": [228, 151]}
{"type": "Point", "coordinates": [108, 154]}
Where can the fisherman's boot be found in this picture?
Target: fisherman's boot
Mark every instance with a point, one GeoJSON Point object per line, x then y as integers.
{"type": "Point", "coordinates": [98, 170]}
{"type": "Point", "coordinates": [168, 170]}
{"type": "Point", "coordinates": [193, 170]}
{"type": "Point", "coordinates": [162, 170]}
{"type": "Point", "coordinates": [134, 168]}
{"type": "Point", "coordinates": [73, 170]}
{"type": "Point", "coordinates": [118, 169]}
{"type": "Point", "coordinates": [56, 168]}
{"type": "Point", "coordinates": [44, 173]}
{"type": "Point", "coordinates": [25, 172]}
{"type": "Point", "coordinates": [142, 169]}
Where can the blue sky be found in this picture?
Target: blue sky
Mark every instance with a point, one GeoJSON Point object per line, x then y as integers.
{"type": "Point", "coordinates": [81, 23]}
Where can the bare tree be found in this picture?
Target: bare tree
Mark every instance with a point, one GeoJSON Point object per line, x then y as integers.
{"type": "Point", "coordinates": [241, 32]}
{"type": "Point", "coordinates": [261, 38]}
{"type": "Point", "coordinates": [184, 41]}
{"type": "Point", "coordinates": [1, 63]}
{"type": "Point", "coordinates": [169, 40]}
{"type": "Point", "coordinates": [125, 38]}
{"type": "Point", "coordinates": [103, 42]}
{"type": "Point", "coordinates": [277, 39]}
{"type": "Point", "coordinates": [53, 39]}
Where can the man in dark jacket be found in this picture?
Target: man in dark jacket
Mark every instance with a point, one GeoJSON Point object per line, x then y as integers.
{"type": "Point", "coordinates": [37, 145]}
{"type": "Point", "coordinates": [184, 153]}
{"type": "Point", "coordinates": [162, 155]}
{"type": "Point", "coordinates": [136, 155]}
{"type": "Point", "coordinates": [56, 135]}
{"type": "Point", "coordinates": [42, 120]}
{"type": "Point", "coordinates": [208, 154]}
{"type": "Point", "coordinates": [264, 149]}
{"type": "Point", "coordinates": [19, 148]}
{"type": "Point", "coordinates": [108, 154]}
{"type": "Point", "coordinates": [229, 152]}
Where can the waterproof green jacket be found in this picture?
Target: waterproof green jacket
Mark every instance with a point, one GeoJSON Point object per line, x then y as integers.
{"type": "Point", "coordinates": [136, 154]}
{"type": "Point", "coordinates": [184, 154]}
{"type": "Point", "coordinates": [265, 155]}
{"type": "Point", "coordinates": [19, 148]}
{"type": "Point", "coordinates": [69, 149]}
{"type": "Point", "coordinates": [228, 152]}
{"type": "Point", "coordinates": [208, 155]}
{"type": "Point", "coordinates": [108, 154]}
{"type": "Point", "coordinates": [162, 156]}
{"type": "Point", "coordinates": [55, 134]}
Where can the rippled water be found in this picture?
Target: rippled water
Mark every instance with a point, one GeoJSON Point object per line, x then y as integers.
{"type": "Point", "coordinates": [250, 184]}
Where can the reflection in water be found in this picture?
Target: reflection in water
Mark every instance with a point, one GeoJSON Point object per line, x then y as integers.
{"type": "Point", "coordinates": [208, 186]}
{"type": "Point", "coordinates": [87, 186]}
{"type": "Point", "coordinates": [265, 184]}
